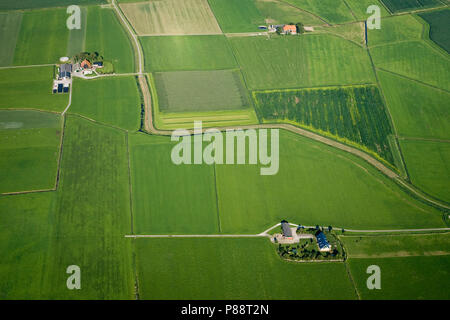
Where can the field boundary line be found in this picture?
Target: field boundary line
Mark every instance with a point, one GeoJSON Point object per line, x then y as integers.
{"type": "Point", "coordinates": [423, 195]}
{"type": "Point", "coordinates": [304, 10]}
{"type": "Point", "coordinates": [29, 66]}
{"type": "Point", "coordinates": [412, 79]}
{"type": "Point", "coordinates": [423, 139]}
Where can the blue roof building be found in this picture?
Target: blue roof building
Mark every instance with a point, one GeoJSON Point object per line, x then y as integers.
{"type": "Point", "coordinates": [322, 241]}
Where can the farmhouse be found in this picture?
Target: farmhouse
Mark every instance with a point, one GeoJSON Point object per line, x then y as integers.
{"type": "Point", "coordinates": [85, 64]}
{"type": "Point", "coordinates": [287, 232]}
{"type": "Point", "coordinates": [322, 242]}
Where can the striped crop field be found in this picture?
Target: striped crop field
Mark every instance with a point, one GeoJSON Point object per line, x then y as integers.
{"type": "Point", "coordinates": [353, 114]}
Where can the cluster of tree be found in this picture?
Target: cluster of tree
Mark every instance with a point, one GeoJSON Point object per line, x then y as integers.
{"type": "Point", "coordinates": [302, 252]}
{"type": "Point", "coordinates": [90, 56]}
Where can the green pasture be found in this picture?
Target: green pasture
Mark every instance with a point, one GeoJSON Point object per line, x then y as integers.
{"type": "Point", "coordinates": [409, 5]}
{"type": "Point", "coordinates": [42, 38]}
{"type": "Point", "coordinates": [237, 15]}
{"type": "Point", "coordinates": [201, 91]}
{"type": "Point", "coordinates": [232, 269]}
{"type": "Point", "coordinates": [395, 29]}
{"type": "Point", "coordinates": [428, 166]}
{"type": "Point", "coordinates": [398, 245]}
{"type": "Point", "coordinates": [9, 30]}
{"type": "Point", "coordinates": [187, 53]}
{"type": "Point", "coordinates": [315, 184]}
{"type": "Point", "coordinates": [29, 150]}
{"type": "Point", "coordinates": [351, 31]}
{"type": "Point", "coordinates": [168, 198]}
{"type": "Point", "coordinates": [352, 114]}
{"type": "Point", "coordinates": [417, 110]}
{"type": "Point", "coordinates": [33, 4]}
{"type": "Point", "coordinates": [332, 11]}
{"type": "Point", "coordinates": [301, 61]}
{"type": "Point", "coordinates": [109, 38]}
{"type": "Point", "coordinates": [77, 37]}
{"type": "Point", "coordinates": [438, 21]}
{"type": "Point", "coordinates": [110, 100]}
{"type": "Point", "coordinates": [416, 60]}
{"type": "Point", "coordinates": [405, 278]}
{"type": "Point", "coordinates": [30, 88]}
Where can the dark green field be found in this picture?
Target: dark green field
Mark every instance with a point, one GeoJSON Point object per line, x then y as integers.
{"type": "Point", "coordinates": [438, 21]}
{"type": "Point", "coordinates": [353, 113]}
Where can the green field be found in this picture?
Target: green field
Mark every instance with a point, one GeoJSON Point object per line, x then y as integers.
{"type": "Point", "coordinates": [9, 30]}
{"type": "Point", "coordinates": [29, 150]}
{"type": "Point", "coordinates": [333, 11]}
{"type": "Point", "coordinates": [417, 110]}
{"type": "Point", "coordinates": [405, 278]}
{"type": "Point", "coordinates": [407, 5]}
{"type": "Point", "coordinates": [77, 37]}
{"type": "Point", "coordinates": [171, 17]}
{"type": "Point", "coordinates": [232, 269]}
{"type": "Point", "coordinates": [187, 53]}
{"type": "Point", "coordinates": [428, 166]}
{"type": "Point", "coordinates": [354, 114]}
{"type": "Point", "coordinates": [200, 91]}
{"type": "Point", "coordinates": [168, 198]}
{"type": "Point", "coordinates": [315, 184]}
{"type": "Point", "coordinates": [438, 21]}
{"type": "Point", "coordinates": [376, 246]}
{"type": "Point", "coordinates": [30, 88]}
{"type": "Point", "coordinates": [33, 4]}
{"type": "Point", "coordinates": [106, 36]}
{"type": "Point", "coordinates": [395, 29]}
{"type": "Point", "coordinates": [114, 101]}
{"type": "Point", "coordinates": [359, 8]}
{"type": "Point", "coordinates": [42, 38]}
{"type": "Point", "coordinates": [88, 232]}
{"type": "Point", "coordinates": [237, 15]}
{"type": "Point", "coordinates": [312, 60]}
{"type": "Point", "coordinates": [415, 60]}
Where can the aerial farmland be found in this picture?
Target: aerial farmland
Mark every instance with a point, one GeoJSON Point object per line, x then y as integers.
{"type": "Point", "coordinates": [217, 149]}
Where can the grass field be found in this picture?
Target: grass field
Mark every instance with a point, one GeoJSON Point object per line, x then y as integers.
{"type": "Point", "coordinates": [237, 15]}
{"type": "Point", "coordinates": [42, 38]}
{"type": "Point", "coordinates": [29, 150]}
{"type": "Point", "coordinates": [280, 12]}
{"type": "Point", "coordinates": [187, 53]}
{"type": "Point", "coordinates": [406, 5]}
{"type": "Point", "coordinates": [200, 91]}
{"type": "Point", "coordinates": [88, 232]}
{"type": "Point", "coordinates": [106, 36]}
{"type": "Point", "coordinates": [33, 4]}
{"type": "Point", "coordinates": [315, 184]}
{"type": "Point", "coordinates": [416, 60]}
{"type": "Point", "coordinates": [168, 198]}
{"type": "Point", "coordinates": [333, 11]}
{"type": "Point", "coordinates": [171, 17]}
{"type": "Point", "coordinates": [397, 245]}
{"type": "Point", "coordinates": [30, 88]}
{"type": "Point", "coordinates": [232, 269]}
{"type": "Point", "coordinates": [9, 30]}
{"type": "Point", "coordinates": [114, 101]}
{"type": "Point", "coordinates": [355, 114]}
{"type": "Point", "coordinates": [359, 8]}
{"type": "Point", "coordinates": [349, 31]}
{"type": "Point", "coordinates": [428, 166]}
{"type": "Point", "coordinates": [77, 37]}
{"type": "Point", "coordinates": [417, 110]}
{"type": "Point", "coordinates": [405, 278]}
{"type": "Point", "coordinates": [312, 60]}
{"type": "Point", "coordinates": [395, 29]}
{"type": "Point", "coordinates": [438, 21]}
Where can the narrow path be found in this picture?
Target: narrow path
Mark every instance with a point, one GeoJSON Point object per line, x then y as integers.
{"type": "Point", "coordinates": [70, 99]}
{"type": "Point", "coordinates": [28, 66]}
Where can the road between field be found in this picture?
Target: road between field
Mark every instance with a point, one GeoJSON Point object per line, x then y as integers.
{"type": "Point", "coordinates": [266, 234]}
